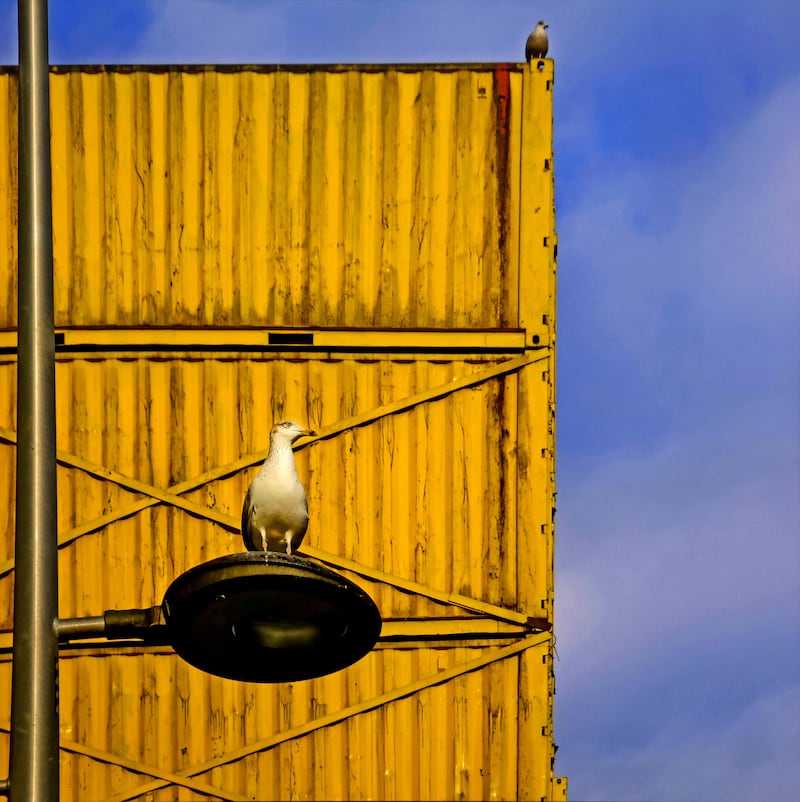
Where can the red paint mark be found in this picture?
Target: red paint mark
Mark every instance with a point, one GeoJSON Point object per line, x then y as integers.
{"type": "Point", "coordinates": [502, 88]}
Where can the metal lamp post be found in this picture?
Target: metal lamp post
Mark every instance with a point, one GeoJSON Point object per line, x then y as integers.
{"type": "Point", "coordinates": [34, 713]}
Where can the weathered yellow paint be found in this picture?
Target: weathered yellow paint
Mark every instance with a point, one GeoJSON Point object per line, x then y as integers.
{"type": "Point", "coordinates": [370, 250]}
{"type": "Point", "coordinates": [297, 197]}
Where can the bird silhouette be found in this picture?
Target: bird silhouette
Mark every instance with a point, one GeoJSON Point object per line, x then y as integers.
{"type": "Point", "coordinates": [275, 510]}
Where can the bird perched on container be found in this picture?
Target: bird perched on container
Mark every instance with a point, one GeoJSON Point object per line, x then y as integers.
{"type": "Point", "coordinates": [537, 44]}
{"type": "Point", "coordinates": [275, 511]}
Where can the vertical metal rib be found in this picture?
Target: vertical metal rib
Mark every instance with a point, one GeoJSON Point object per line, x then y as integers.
{"type": "Point", "coordinates": [34, 714]}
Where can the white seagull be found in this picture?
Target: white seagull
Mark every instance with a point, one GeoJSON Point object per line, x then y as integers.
{"type": "Point", "coordinates": [275, 511]}
{"type": "Point", "coordinates": [537, 44]}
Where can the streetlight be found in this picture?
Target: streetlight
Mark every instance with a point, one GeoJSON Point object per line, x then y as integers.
{"type": "Point", "coordinates": [253, 617]}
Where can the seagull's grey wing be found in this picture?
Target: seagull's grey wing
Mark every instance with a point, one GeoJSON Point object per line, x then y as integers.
{"type": "Point", "coordinates": [248, 541]}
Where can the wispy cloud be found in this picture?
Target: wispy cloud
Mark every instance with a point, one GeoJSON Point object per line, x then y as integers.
{"type": "Point", "coordinates": [679, 561]}
{"type": "Point", "coordinates": [754, 756]}
{"type": "Point", "coordinates": [679, 281]}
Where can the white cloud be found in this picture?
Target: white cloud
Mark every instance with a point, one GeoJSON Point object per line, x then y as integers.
{"type": "Point", "coordinates": [753, 757]}
{"type": "Point", "coordinates": [678, 560]}
{"type": "Point", "coordinates": [316, 31]}
{"type": "Point", "coordinates": [346, 31]}
{"type": "Point", "coordinates": [700, 536]}
{"type": "Point", "coordinates": [714, 279]}
{"type": "Point", "coordinates": [212, 31]}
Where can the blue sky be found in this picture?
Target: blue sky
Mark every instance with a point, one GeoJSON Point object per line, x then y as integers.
{"type": "Point", "coordinates": [678, 202]}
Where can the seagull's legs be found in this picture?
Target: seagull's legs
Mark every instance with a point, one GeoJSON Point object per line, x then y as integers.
{"type": "Point", "coordinates": [288, 538]}
{"type": "Point", "coordinates": [264, 546]}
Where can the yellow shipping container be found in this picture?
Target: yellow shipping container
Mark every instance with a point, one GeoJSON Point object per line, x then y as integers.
{"type": "Point", "coordinates": [369, 250]}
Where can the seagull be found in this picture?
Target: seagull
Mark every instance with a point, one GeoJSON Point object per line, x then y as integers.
{"type": "Point", "coordinates": [275, 511]}
{"type": "Point", "coordinates": [536, 46]}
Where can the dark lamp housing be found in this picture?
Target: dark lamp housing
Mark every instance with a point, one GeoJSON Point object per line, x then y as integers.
{"type": "Point", "coordinates": [268, 617]}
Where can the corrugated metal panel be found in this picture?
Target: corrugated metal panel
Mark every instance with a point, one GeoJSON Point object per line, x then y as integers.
{"type": "Point", "coordinates": [306, 197]}
{"type": "Point", "coordinates": [162, 422]}
{"type": "Point", "coordinates": [309, 197]}
{"type": "Point", "coordinates": [444, 741]}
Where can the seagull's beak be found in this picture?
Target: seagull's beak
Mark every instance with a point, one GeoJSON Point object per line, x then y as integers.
{"type": "Point", "coordinates": [308, 433]}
